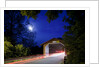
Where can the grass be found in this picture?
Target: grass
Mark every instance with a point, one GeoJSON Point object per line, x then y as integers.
{"type": "Point", "coordinates": [5, 62]}
{"type": "Point", "coordinates": [20, 58]}
{"type": "Point", "coordinates": [11, 61]}
{"type": "Point", "coordinates": [62, 62]}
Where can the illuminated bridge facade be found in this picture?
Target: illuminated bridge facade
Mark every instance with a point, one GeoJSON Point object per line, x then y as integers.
{"type": "Point", "coordinates": [53, 46]}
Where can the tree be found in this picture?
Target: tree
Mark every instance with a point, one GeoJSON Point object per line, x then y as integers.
{"type": "Point", "coordinates": [12, 25]}
{"type": "Point", "coordinates": [52, 14]}
{"type": "Point", "coordinates": [27, 37]}
{"type": "Point", "coordinates": [20, 50]}
{"type": "Point", "coordinates": [8, 47]}
{"type": "Point", "coordinates": [74, 39]}
{"type": "Point", "coordinates": [30, 13]}
{"type": "Point", "coordinates": [15, 28]}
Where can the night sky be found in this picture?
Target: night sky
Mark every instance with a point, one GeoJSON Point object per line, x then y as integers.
{"type": "Point", "coordinates": [43, 29]}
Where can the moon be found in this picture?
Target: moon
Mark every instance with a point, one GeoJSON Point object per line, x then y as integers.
{"type": "Point", "coordinates": [30, 28]}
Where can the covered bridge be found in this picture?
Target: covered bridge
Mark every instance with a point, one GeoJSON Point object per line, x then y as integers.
{"type": "Point", "coordinates": [54, 45]}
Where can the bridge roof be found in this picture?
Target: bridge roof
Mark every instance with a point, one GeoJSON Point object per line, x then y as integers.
{"type": "Point", "coordinates": [53, 39]}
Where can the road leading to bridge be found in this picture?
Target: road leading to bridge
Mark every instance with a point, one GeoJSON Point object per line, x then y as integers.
{"type": "Point", "coordinates": [53, 59]}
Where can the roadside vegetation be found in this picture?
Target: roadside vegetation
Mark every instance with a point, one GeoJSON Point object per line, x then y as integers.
{"type": "Point", "coordinates": [11, 51]}
{"type": "Point", "coordinates": [19, 50]}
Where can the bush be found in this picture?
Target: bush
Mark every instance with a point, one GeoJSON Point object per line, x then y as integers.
{"type": "Point", "coordinates": [11, 51]}
{"type": "Point", "coordinates": [8, 47]}
{"type": "Point", "coordinates": [20, 50]}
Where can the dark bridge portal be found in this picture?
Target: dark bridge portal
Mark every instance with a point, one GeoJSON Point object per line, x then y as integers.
{"type": "Point", "coordinates": [55, 48]}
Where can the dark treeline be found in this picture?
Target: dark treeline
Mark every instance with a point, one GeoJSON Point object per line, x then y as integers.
{"type": "Point", "coordinates": [19, 50]}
